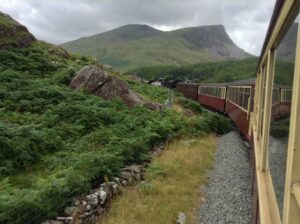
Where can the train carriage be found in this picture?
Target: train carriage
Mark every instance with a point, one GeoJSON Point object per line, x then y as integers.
{"type": "Point", "coordinates": [189, 90]}
{"type": "Point", "coordinates": [239, 104]}
{"type": "Point", "coordinates": [213, 96]}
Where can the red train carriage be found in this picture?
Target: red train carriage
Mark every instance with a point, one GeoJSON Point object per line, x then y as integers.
{"type": "Point", "coordinates": [189, 90]}
{"type": "Point", "coordinates": [235, 99]}
{"type": "Point", "coordinates": [239, 103]}
{"type": "Point", "coordinates": [213, 96]}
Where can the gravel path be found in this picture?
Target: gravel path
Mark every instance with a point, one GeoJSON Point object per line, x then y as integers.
{"type": "Point", "coordinates": [228, 197]}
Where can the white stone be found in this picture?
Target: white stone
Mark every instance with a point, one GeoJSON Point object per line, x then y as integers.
{"type": "Point", "coordinates": [103, 196]}
{"type": "Point", "coordinates": [84, 203]}
{"type": "Point", "coordinates": [88, 207]}
{"type": "Point", "coordinates": [181, 218]}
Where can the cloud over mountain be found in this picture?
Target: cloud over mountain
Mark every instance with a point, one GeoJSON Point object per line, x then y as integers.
{"type": "Point", "coordinates": [60, 21]}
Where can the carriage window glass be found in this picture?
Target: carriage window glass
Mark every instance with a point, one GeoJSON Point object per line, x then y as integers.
{"type": "Point", "coordinates": [281, 107]}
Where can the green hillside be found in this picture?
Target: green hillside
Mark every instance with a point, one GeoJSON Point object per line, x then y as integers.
{"type": "Point", "coordinates": [225, 71]}
{"type": "Point", "coordinates": [55, 142]}
{"type": "Point", "coordinates": [134, 46]}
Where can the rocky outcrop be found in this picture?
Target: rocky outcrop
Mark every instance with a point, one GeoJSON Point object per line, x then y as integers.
{"type": "Point", "coordinates": [95, 80]}
{"type": "Point", "coordinates": [13, 34]}
{"type": "Point", "coordinates": [91, 208]}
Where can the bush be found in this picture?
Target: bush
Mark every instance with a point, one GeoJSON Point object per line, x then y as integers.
{"type": "Point", "coordinates": [190, 104]}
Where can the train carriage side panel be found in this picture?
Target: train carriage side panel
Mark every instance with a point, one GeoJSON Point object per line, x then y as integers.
{"type": "Point", "coordinates": [239, 117]}
{"type": "Point", "coordinates": [213, 96]}
{"type": "Point", "coordinates": [189, 90]}
{"type": "Point", "coordinates": [212, 102]}
{"type": "Point", "coordinates": [239, 103]}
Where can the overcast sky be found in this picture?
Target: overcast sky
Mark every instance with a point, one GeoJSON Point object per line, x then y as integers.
{"type": "Point", "coordinates": [59, 21]}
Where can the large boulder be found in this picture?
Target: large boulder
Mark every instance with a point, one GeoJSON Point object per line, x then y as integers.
{"type": "Point", "coordinates": [95, 80]}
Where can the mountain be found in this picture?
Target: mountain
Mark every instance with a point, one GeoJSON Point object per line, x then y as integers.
{"type": "Point", "coordinates": [133, 46]}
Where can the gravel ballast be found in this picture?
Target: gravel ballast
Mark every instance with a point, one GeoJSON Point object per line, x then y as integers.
{"type": "Point", "coordinates": [228, 193]}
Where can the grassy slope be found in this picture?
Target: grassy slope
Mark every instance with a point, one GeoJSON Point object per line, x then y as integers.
{"type": "Point", "coordinates": [225, 71]}
{"type": "Point", "coordinates": [151, 51]}
{"type": "Point", "coordinates": [125, 53]}
{"type": "Point", "coordinates": [166, 190]}
{"type": "Point", "coordinates": [54, 142]}
{"type": "Point", "coordinates": [4, 21]}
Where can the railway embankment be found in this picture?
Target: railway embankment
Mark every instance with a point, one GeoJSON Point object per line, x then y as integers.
{"type": "Point", "coordinates": [228, 192]}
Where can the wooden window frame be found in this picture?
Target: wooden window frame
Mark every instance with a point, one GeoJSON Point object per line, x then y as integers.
{"type": "Point", "coordinates": [268, 208]}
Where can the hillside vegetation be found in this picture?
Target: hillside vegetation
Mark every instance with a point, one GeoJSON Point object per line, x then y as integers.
{"type": "Point", "coordinates": [225, 71]}
{"type": "Point", "coordinates": [134, 46]}
{"type": "Point", "coordinates": [54, 142]}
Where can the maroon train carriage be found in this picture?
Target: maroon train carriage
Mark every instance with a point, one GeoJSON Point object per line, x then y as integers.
{"type": "Point", "coordinates": [213, 96]}
{"type": "Point", "coordinates": [239, 103]}
{"type": "Point", "coordinates": [236, 100]}
{"type": "Point", "coordinates": [189, 90]}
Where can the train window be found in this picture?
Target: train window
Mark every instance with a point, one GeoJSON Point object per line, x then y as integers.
{"type": "Point", "coordinates": [280, 111]}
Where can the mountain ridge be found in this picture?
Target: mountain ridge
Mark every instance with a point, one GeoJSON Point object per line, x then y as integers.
{"type": "Point", "coordinates": [134, 45]}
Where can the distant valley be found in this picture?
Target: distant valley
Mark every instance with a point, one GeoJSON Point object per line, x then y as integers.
{"type": "Point", "coordinates": [133, 46]}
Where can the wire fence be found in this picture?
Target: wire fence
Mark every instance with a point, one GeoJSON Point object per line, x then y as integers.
{"type": "Point", "coordinates": [168, 104]}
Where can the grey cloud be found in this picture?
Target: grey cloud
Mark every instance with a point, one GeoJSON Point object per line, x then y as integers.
{"type": "Point", "coordinates": [59, 21]}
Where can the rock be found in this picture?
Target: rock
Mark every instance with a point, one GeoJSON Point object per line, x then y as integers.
{"type": "Point", "coordinates": [124, 183]}
{"type": "Point", "coordinates": [65, 219]}
{"type": "Point", "coordinates": [135, 168]}
{"type": "Point", "coordinates": [52, 222]}
{"type": "Point", "coordinates": [92, 199]}
{"type": "Point", "coordinates": [137, 177]}
{"type": "Point", "coordinates": [77, 202]}
{"type": "Point", "coordinates": [181, 219]}
{"type": "Point", "coordinates": [88, 207]}
{"type": "Point", "coordinates": [16, 32]}
{"type": "Point", "coordinates": [126, 176]}
{"type": "Point", "coordinates": [103, 196]}
{"type": "Point", "coordinates": [86, 214]}
{"type": "Point", "coordinates": [117, 180]}
{"type": "Point", "coordinates": [84, 203]}
{"type": "Point", "coordinates": [115, 188]}
{"type": "Point", "coordinates": [126, 169]}
{"type": "Point", "coordinates": [70, 211]}
{"type": "Point", "coordinates": [95, 80]}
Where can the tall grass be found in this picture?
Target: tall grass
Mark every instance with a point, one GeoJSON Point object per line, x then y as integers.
{"type": "Point", "coordinates": [171, 185]}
